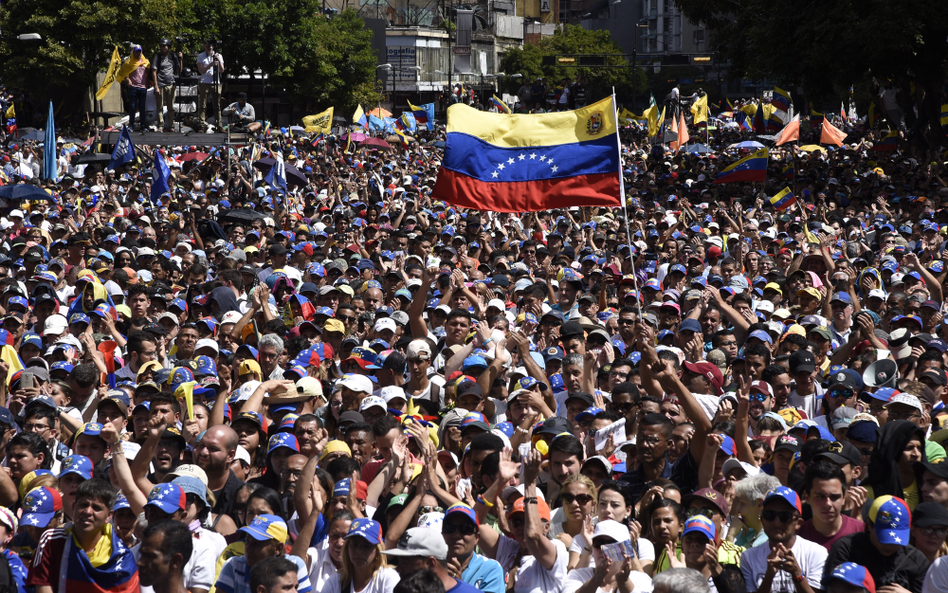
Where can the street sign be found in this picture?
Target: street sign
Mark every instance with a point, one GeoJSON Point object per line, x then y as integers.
{"type": "Point", "coordinates": [462, 51]}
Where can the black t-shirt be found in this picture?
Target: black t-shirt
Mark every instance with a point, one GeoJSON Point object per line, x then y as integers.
{"type": "Point", "coordinates": [226, 497]}
{"type": "Point", "coordinates": [907, 567]}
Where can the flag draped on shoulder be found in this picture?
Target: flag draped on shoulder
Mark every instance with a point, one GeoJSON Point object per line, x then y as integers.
{"type": "Point", "coordinates": [521, 163]}
{"type": "Point", "coordinates": [790, 132]}
{"type": "Point", "coordinates": [116, 572]}
{"type": "Point", "coordinates": [114, 65]}
{"type": "Point", "coordinates": [321, 122]}
{"type": "Point", "coordinates": [783, 200]}
{"type": "Point", "coordinates": [750, 168]}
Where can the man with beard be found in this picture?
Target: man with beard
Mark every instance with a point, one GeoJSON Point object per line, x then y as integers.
{"type": "Point", "coordinates": [162, 449]}
{"type": "Point", "coordinates": [165, 550]}
{"type": "Point", "coordinates": [761, 402]}
{"type": "Point", "coordinates": [214, 453]}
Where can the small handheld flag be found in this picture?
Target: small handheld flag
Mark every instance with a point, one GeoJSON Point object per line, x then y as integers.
{"type": "Point", "coordinates": [500, 105]}
{"type": "Point", "coordinates": [159, 177]}
{"type": "Point", "coordinates": [783, 200]}
{"type": "Point", "coordinates": [276, 177]}
{"type": "Point", "coordinates": [124, 150]}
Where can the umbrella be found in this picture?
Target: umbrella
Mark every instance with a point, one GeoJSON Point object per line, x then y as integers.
{"type": "Point", "coordinates": [24, 191]}
{"type": "Point", "coordinates": [297, 129]}
{"type": "Point", "coordinates": [378, 143]}
{"type": "Point", "coordinates": [397, 140]}
{"type": "Point", "coordinates": [339, 120]}
{"type": "Point", "coordinates": [33, 135]}
{"type": "Point", "coordinates": [380, 112]}
{"type": "Point", "coordinates": [812, 147]}
{"type": "Point", "coordinates": [293, 175]}
{"type": "Point", "coordinates": [194, 156]}
{"type": "Point", "coordinates": [697, 149]}
{"type": "Point", "coordinates": [354, 136]}
{"type": "Point", "coordinates": [94, 157]}
{"type": "Point", "coordinates": [438, 144]}
{"type": "Point", "coordinates": [750, 144]}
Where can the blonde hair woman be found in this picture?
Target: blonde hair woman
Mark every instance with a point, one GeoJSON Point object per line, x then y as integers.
{"type": "Point", "coordinates": [579, 497]}
{"type": "Point", "coordinates": [363, 565]}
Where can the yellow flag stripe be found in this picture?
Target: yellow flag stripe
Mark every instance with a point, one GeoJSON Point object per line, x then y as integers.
{"type": "Point", "coordinates": [547, 129]}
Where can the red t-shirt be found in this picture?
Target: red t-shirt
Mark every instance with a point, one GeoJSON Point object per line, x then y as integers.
{"type": "Point", "coordinates": [849, 526]}
{"type": "Point", "coordinates": [45, 568]}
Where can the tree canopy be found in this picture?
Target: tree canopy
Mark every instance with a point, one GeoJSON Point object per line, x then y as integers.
{"type": "Point", "coordinates": [829, 45]}
{"type": "Point", "coordinates": [324, 61]}
{"type": "Point", "coordinates": [573, 39]}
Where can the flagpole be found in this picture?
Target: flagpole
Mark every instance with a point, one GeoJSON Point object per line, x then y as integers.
{"type": "Point", "coordinates": [625, 212]}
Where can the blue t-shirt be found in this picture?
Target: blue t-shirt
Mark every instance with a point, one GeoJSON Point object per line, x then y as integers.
{"type": "Point", "coordinates": [462, 587]}
{"type": "Point", "coordinates": [235, 575]}
{"type": "Point", "coordinates": [18, 569]}
{"type": "Point", "coordinates": [483, 574]}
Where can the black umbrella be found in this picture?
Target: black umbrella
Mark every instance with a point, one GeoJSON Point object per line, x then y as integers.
{"type": "Point", "coordinates": [24, 191]}
{"type": "Point", "coordinates": [94, 157]}
{"type": "Point", "coordinates": [33, 135]}
{"type": "Point", "coordinates": [293, 175]}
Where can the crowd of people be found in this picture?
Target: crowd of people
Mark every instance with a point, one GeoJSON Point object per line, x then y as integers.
{"type": "Point", "coordinates": [352, 387]}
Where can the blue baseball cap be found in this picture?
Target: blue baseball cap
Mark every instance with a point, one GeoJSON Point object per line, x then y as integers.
{"type": "Point", "coordinates": [700, 524]}
{"type": "Point", "coordinates": [368, 529]}
{"type": "Point", "coordinates": [168, 498]}
{"type": "Point", "coordinates": [691, 325]}
{"type": "Point", "coordinates": [267, 527]}
{"type": "Point", "coordinates": [76, 464]}
{"type": "Point", "coordinates": [40, 506]}
{"type": "Point", "coordinates": [786, 494]}
{"type": "Point", "coordinates": [283, 440]}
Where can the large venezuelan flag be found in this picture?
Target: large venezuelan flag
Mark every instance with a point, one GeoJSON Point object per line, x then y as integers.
{"type": "Point", "coordinates": [526, 163]}
{"type": "Point", "coordinates": [783, 200]}
{"type": "Point", "coordinates": [750, 168]}
{"type": "Point", "coordinates": [119, 574]}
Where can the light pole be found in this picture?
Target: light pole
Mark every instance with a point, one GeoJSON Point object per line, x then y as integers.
{"type": "Point", "coordinates": [635, 46]}
{"type": "Point", "coordinates": [387, 68]}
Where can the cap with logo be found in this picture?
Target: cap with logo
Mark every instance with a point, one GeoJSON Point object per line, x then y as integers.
{"type": "Point", "coordinates": [891, 519]}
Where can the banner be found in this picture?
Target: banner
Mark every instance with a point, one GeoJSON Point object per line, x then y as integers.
{"type": "Point", "coordinates": [321, 122]}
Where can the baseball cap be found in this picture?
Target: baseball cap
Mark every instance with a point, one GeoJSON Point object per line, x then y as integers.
{"type": "Point", "coordinates": [788, 442]}
{"type": "Point", "coordinates": [709, 494]}
{"type": "Point", "coordinates": [802, 361]}
{"type": "Point", "coordinates": [461, 509]}
{"type": "Point", "coordinates": [542, 507]}
{"type": "Point", "coordinates": [854, 574]}
{"type": "Point", "coordinates": [700, 524]}
{"type": "Point", "coordinates": [167, 497]}
{"type": "Point", "coordinates": [267, 527]}
{"type": "Point", "coordinates": [709, 370]}
{"type": "Point", "coordinates": [420, 541]}
{"type": "Point", "coordinates": [76, 464]}
{"type": "Point", "coordinates": [40, 506]}
{"type": "Point", "coordinates": [891, 518]}
{"type": "Point", "coordinates": [368, 529]}
{"type": "Point", "coordinates": [786, 494]}
{"type": "Point", "coordinates": [613, 530]}
{"type": "Point", "coordinates": [927, 514]}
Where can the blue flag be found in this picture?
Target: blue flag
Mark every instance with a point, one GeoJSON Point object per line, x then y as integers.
{"type": "Point", "coordinates": [124, 150]}
{"type": "Point", "coordinates": [49, 147]}
{"type": "Point", "coordinates": [376, 124]}
{"type": "Point", "coordinates": [277, 175]}
{"type": "Point", "coordinates": [159, 177]}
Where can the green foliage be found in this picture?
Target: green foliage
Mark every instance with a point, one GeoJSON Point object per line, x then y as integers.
{"type": "Point", "coordinates": [320, 60]}
{"type": "Point", "coordinates": [575, 40]}
{"type": "Point", "coordinates": [826, 46]}
{"type": "Point", "coordinates": [78, 38]}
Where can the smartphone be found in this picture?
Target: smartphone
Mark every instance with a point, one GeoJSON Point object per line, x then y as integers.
{"type": "Point", "coordinates": [26, 380]}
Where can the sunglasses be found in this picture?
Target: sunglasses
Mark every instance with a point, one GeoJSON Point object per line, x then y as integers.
{"type": "Point", "coordinates": [758, 397]}
{"type": "Point", "coordinates": [703, 512]}
{"type": "Point", "coordinates": [841, 393]}
{"type": "Point", "coordinates": [423, 510]}
{"type": "Point", "coordinates": [346, 318]}
{"type": "Point", "coordinates": [782, 516]}
{"type": "Point", "coordinates": [579, 498]}
{"type": "Point", "coordinates": [461, 528]}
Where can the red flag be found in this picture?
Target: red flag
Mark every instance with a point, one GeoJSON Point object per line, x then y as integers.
{"type": "Point", "coordinates": [683, 136]}
{"type": "Point", "coordinates": [831, 134]}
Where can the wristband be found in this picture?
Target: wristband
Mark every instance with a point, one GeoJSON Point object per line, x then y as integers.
{"type": "Point", "coordinates": [800, 578]}
{"type": "Point", "coordinates": [484, 501]}
{"type": "Point", "coordinates": [530, 500]}
{"type": "Point", "coordinates": [522, 430]}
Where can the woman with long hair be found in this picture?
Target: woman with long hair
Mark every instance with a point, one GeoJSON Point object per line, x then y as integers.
{"type": "Point", "coordinates": [614, 504]}
{"type": "Point", "coordinates": [666, 518]}
{"type": "Point", "coordinates": [900, 446]}
{"type": "Point", "coordinates": [579, 496]}
{"type": "Point", "coordinates": [363, 565]}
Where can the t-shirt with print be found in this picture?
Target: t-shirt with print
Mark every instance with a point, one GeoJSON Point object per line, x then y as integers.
{"type": "Point", "coordinates": [810, 556]}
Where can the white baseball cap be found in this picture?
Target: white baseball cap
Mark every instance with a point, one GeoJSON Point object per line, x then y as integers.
{"type": "Point", "coordinates": [231, 317]}
{"type": "Point", "coordinates": [393, 392]}
{"type": "Point", "coordinates": [384, 324]}
{"type": "Point", "coordinates": [358, 383]}
{"type": "Point", "coordinates": [371, 401]}
{"type": "Point", "coordinates": [55, 325]}
{"type": "Point", "coordinates": [207, 343]}
{"type": "Point", "coordinates": [419, 350]}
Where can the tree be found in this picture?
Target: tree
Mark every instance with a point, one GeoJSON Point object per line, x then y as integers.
{"type": "Point", "coordinates": [573, 39]}
{"type": "Point", "coordinates": [826, 46]}
{"type": "Point", "coordinates": [78, 39]}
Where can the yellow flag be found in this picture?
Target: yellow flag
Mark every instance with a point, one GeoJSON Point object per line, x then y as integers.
{"type": "Point", "coordinates": [8, 355]}
{"type": "Point", "coordinates": [11, 113]}
{"type": "Point", "coordinates": [700, 110]}
{"type": "Point", "coordinates": [109, 75]}
{"type": "Point", "coordinates": [359, 116]}
{"type": "Point", "coordinates": [320, 123]}
{"type": "Point", "coordinates": [626, 117]}
{"type": "Point", "coordinates": [655, 125]}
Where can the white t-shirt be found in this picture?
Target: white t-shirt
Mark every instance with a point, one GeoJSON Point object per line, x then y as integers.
{"type": "Point", "coordinates": [384, 581]}
{"type": "Point", "coordinates": [531, 576]}
{"type": "Point", "coordinates": [808, 403]}
{"type": "Point", "coordinates": [644, 549]}
{"type": "Point", "coordinates": [321, 568]}
{"type": "Point", "coordinates": [810, 556]}
{"type": "Point", "coordinates": [936, 581]}
{"type": "Point", "coordinates": [641, 582]}
{"type": "Point", "coordinates": [199, 571]}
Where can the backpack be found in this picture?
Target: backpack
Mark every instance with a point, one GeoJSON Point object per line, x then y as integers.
{"type": "Point", "coordinates": [7, 583]}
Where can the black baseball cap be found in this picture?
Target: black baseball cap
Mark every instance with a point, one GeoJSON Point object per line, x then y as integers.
{"type": "Point", "coordinates": [555, 426]}
{"type": "Point", "coordinates": [787, 441]}
{"type": "Point", "coordinates": [928, 514]}
{"type": "Point", "coordinates": [802, 361]}
{"type": "Point", "coordinates": [939, 467]}
{"type": "Point", "coordinates": [841, 453]}
{"type": "Point", "coordinates": [589, 400]}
